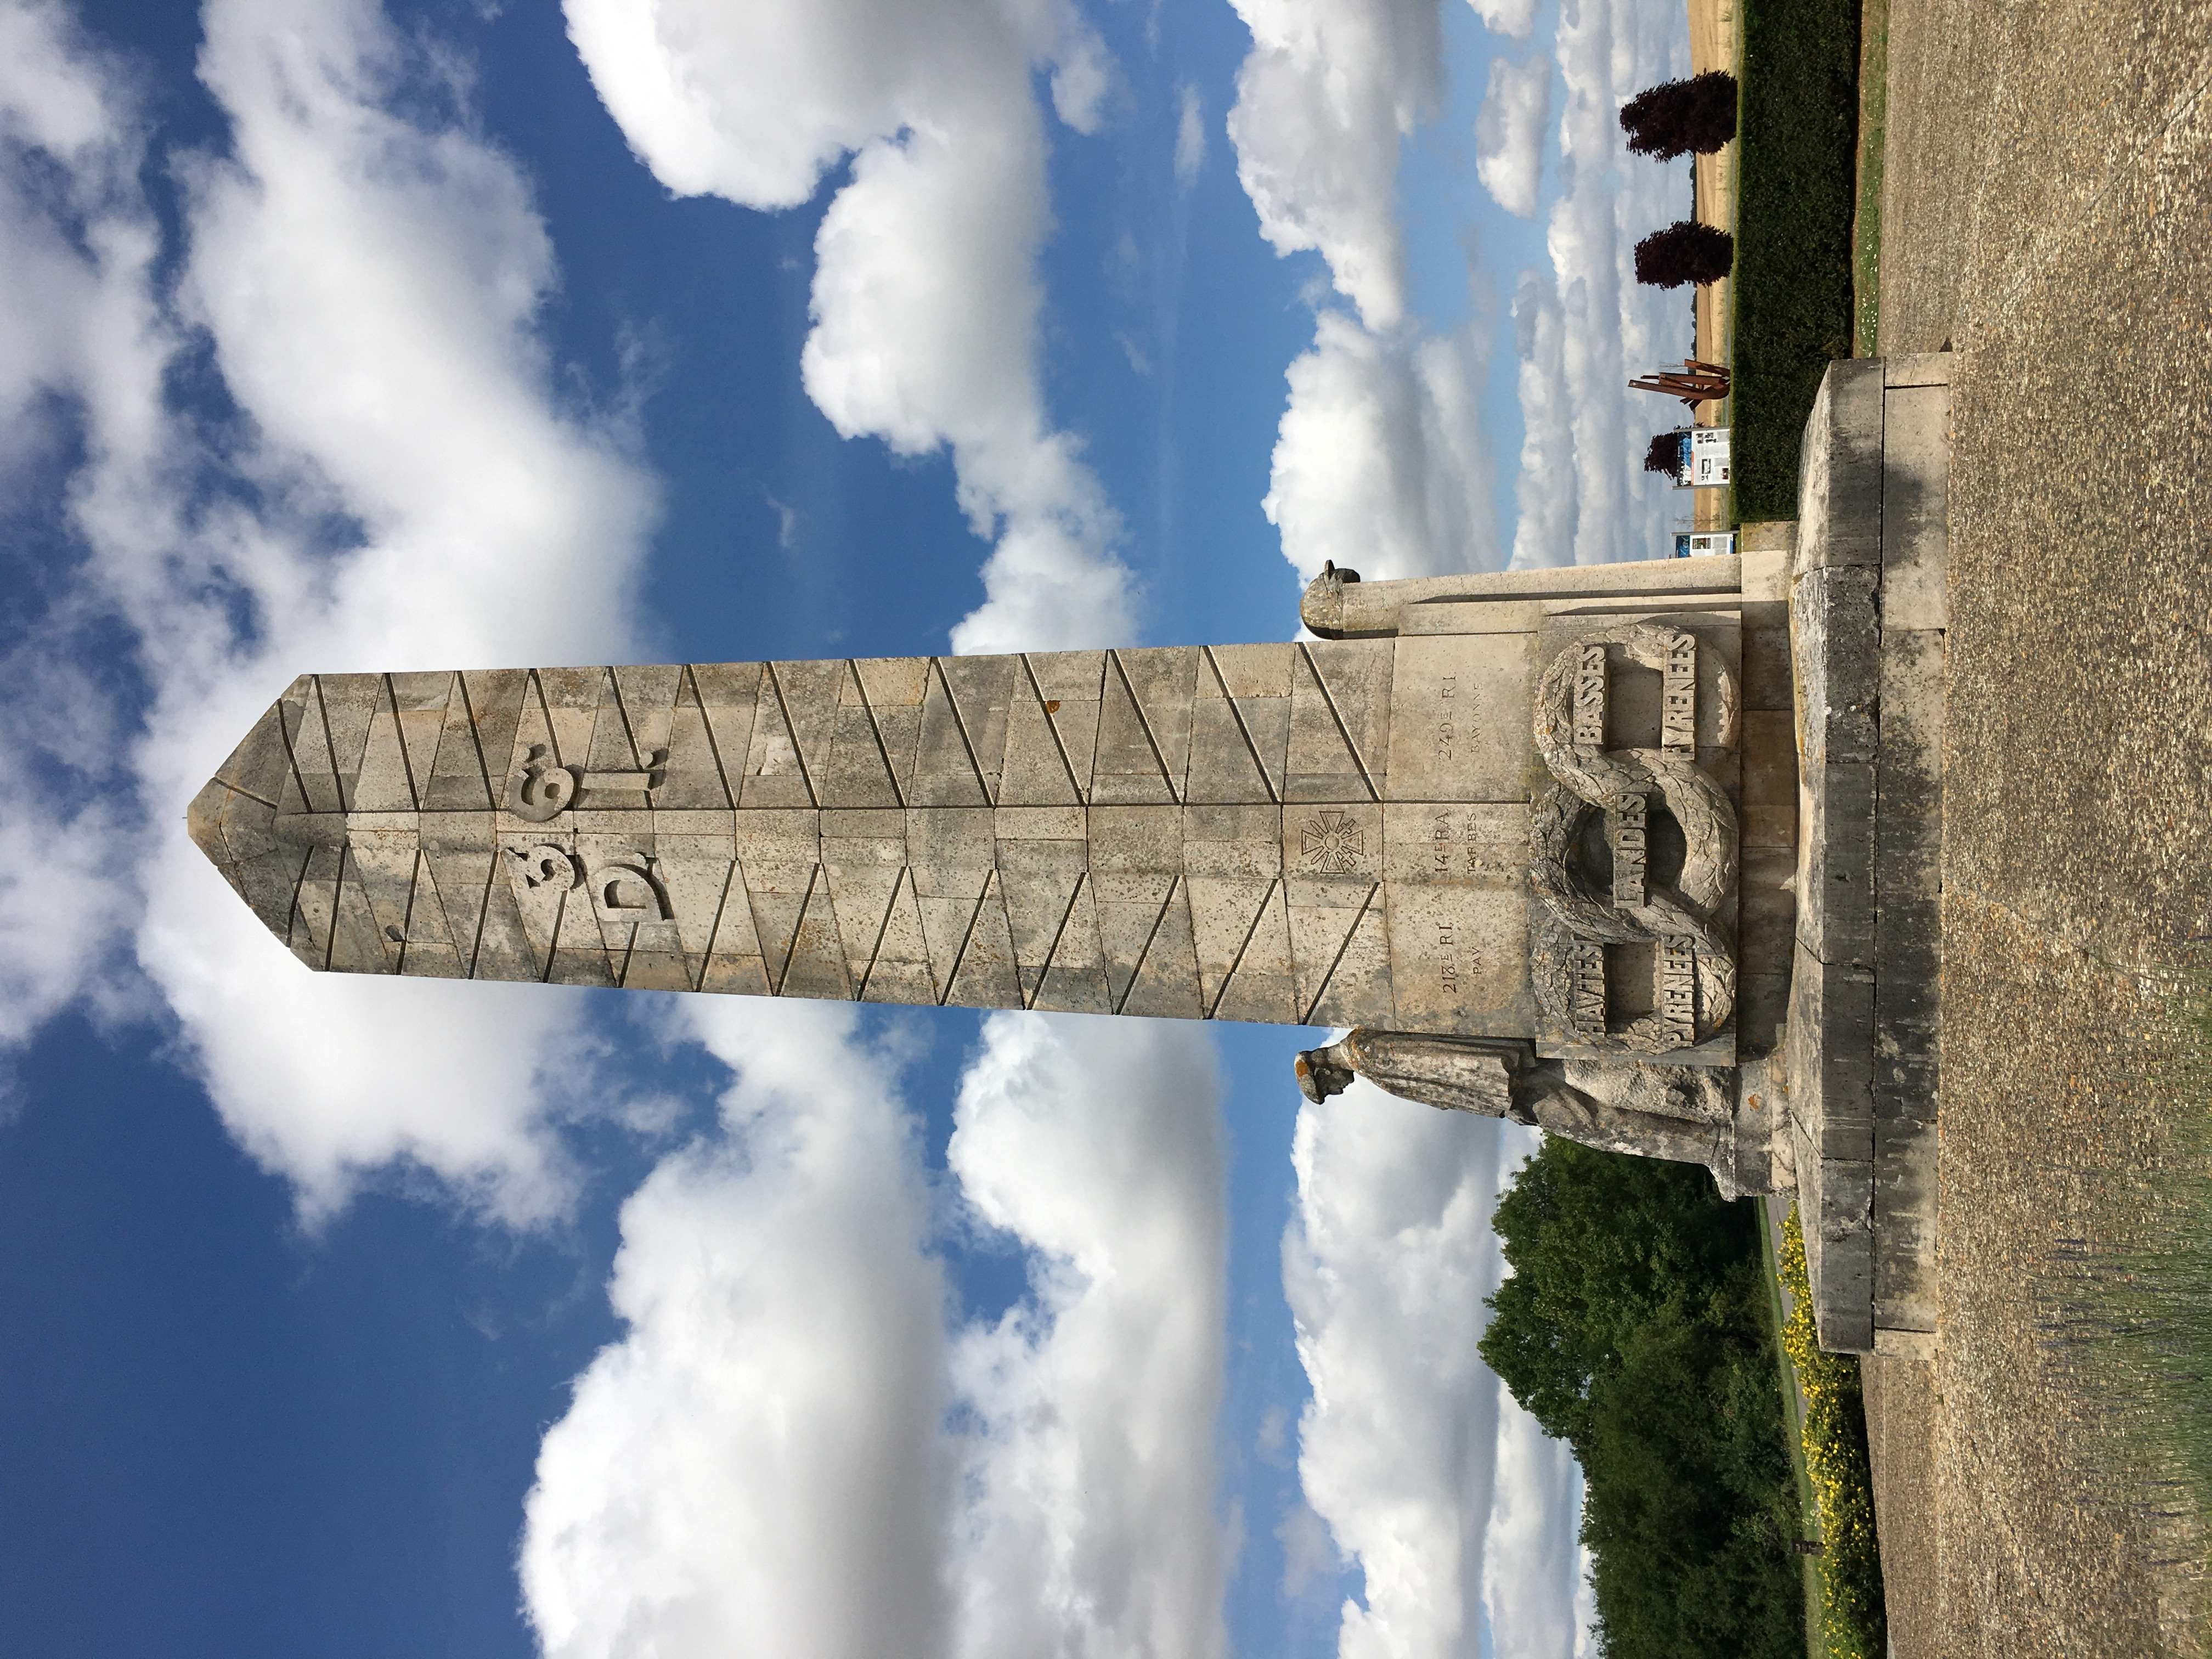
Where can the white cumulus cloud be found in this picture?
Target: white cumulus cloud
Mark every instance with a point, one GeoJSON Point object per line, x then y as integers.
{"type": "Point", "coordinates": [1544, 493]}
{"type": "Point", "coordinates": [1381, 461]}
{"type": "Point", "coordinates": [66, 131]}
{"type": "Point", "coordinates": [1325, 95]}
{"type": "Point", "coordinates": [926, 300]}
{"type": "Point", "coordinates": [1596, 326]}
{"type": "Point", "coordinates": [756, 1467]}
{"type": "Point", "coordinates": [362, 277]}
{"type": "Point", "coordinates": [788, 1453]}
{"type": "Point", "coordinates": [1534, 1590]}
{"type": "Point", "coordinates": [1407, 1450]}
{"type": "Point", "coordinates": [1093, 1529]}
{"type": "Point", "coordinates": [1511, 18]}
{"type": "Point", "coordinates": [1509, 133]}
{"type": "Point", "coordinates": [1322, 97]}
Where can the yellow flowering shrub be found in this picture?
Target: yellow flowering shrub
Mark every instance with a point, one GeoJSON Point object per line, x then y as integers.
{"type": "Point", "coordinates": [1835, 1460]}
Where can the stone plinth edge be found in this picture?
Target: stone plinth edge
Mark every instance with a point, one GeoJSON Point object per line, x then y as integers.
{"type": "Point", "coordinates": [1868, 621]}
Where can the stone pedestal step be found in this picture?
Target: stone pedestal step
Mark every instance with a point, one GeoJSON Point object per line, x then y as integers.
{"type": "Point", "coordinates": [1860, 1056]}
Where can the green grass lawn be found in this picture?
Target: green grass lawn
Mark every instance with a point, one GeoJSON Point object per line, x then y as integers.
{"type": "Point", "coordinates": [2174, 1335]}
{"type": "Point", "coordinates": [1796, 191]}
{"type": "Point", "coordinates": [1866, 226]}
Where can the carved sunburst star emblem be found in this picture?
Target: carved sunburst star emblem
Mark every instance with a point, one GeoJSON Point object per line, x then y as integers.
{"type": "Point", "coordinates": [1331, 843]}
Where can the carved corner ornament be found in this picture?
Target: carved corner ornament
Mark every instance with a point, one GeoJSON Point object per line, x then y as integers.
{"type": "Point", "coordinates": [1573, 916]}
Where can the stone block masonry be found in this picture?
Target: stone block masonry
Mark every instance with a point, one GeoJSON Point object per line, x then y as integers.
{"type": "Point", "coordinates": [1336, 831]}
{"type": "Point", "coordinates": [1868, 615]}
{"type": "Point", "coordinates": [1260, 832]}
{"type": "Point", "coordinates": [1648, 844]}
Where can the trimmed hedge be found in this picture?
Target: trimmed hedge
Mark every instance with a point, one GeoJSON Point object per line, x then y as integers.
{"type": "Point", "coordinates": [1796, 183]}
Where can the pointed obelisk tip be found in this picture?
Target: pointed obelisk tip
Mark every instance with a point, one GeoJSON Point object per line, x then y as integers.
{"type": "Point", "coordinates": [203, 821]}
{"type": "Point", "coordinates": [233, 820]}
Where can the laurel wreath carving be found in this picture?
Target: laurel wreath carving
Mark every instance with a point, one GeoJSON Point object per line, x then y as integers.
{"type": "Point", "coordinates": [1566, 909]}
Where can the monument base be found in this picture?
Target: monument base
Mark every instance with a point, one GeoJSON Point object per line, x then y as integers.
{"type": "Point", "coordinates": [1860, 1052]}
{"type": "Point", "coordinates": [1716, 1101]}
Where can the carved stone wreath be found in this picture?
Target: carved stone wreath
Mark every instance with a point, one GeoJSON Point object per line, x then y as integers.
{"type": "Point", "coordinates": [1567, 908]}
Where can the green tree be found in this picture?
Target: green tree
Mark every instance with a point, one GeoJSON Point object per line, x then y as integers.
{"type": "Point", "coordinates": [1678, 117]}
{"type": "Point", "coordinates": [1599, 1244]}
{"type": "Point", "coordinates": [1631, 1326]}
{"type": "Point", "coordinates": [1686, 252]}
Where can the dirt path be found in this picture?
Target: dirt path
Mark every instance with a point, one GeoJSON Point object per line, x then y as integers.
{"type": "Point", "coordinates": [2048, 211]}
{"type": "Point", "coordinates": [1716, 42]}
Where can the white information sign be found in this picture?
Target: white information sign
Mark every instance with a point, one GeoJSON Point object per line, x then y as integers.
{"type": "Point", "coordinates": [1709, 456]}
{"type": "Point", "coordinates": [1695, 544]}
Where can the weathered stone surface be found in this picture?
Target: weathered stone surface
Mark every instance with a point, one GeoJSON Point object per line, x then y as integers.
{"type": "Point", "coordinates": [1839, 1250]}
{"type": "Point", "coordinates": [1458, 959]}
{"type": "Point", "coordinates": [1930, 368]}
{"type": "Point", "coordinates": [1768, 536]}
{"type": "Point", "coordinates": [1762, 1002]}
{"type": "Point", "coordinates": [1907, 852]}
{"type": "Point", "coordinates": [1766, 611]}
{"type": "Point", "coordinates": [1862, 1056]}
{"type": "Point", "coordinates": [1835, 865]}
{"type": "Point", "coordinates": [1766, 660]}
{"type": "Point", "coordinates": [1837, 630]}
{"type": "Point", "coordinates": [1915, 508]}
{"type": "Point", "coordinates": [1339, 831]}
{"type": "Point", "coordinates": [260, 767]}
{"type": "Point", "coordinates": [1829, 1051]}
{"type": "Point", "coordinates": [1355, 610]}
{"type": "Point", "coordinates": [1840, 470]}
{"type": "Point", "coordinates": [1341, 707]}
{"type": "Point", "coordinates": [1458, 718]}
{"type": "Point", "coordinates": [1677, 1113]}
{"type": "Point", "coordinates": [1770, 763]}
{"type": "Point", "coordinates": [1768, 909]}
{"type": "Point", "coordinates": [1097, 830]}
{"type": "Point", "coordinates": [1904, 1225]}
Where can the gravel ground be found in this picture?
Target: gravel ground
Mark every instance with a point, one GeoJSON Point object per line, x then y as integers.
{"type": "Point", "coordinates": [2048, 211]}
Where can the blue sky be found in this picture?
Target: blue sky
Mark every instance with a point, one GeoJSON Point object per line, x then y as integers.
{"type": "Point", "coordinates": [363, 1318]}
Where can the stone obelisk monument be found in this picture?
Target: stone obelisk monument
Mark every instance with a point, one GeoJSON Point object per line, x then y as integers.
{"type": "Point", "coordinates": [1502, 815]}
{"type": "Point", "coordinates": [1496, 822]}
{"type": "Point", "coordinates": [1490, 806]}
{"type": "Point", "coordinates": [1534, 835]}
